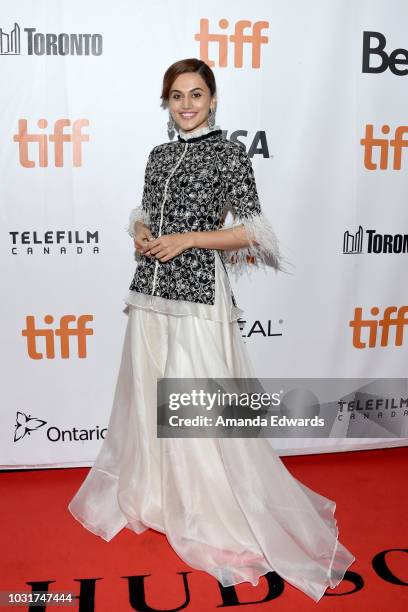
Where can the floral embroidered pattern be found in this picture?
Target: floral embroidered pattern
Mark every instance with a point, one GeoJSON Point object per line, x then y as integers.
{"type": "Point", "coordinates": [205, 177]}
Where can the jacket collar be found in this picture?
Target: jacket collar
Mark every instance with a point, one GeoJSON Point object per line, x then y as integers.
{"type": "Point", "coordinates": [199, 134]}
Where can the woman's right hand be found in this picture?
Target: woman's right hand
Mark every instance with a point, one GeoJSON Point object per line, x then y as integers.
{"type": "Point", "coordinates": [142, 235]}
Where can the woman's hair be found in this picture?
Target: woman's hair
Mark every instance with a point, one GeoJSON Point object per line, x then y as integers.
{"type": "Point", "coordinates": [190, 64]}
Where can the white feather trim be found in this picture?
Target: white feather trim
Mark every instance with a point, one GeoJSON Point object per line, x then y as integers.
{"type": "Point", "coordinates": [263, 250]}
{"type": "Point", "coordinates": [137, 214]}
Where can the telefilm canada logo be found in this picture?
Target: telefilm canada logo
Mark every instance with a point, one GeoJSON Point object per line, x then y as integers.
{"type": "Point", "coordinates": [26, 424]}
{"type": "Point", "coordinates": [54, 242]}
{"type": "Point", "coordinates": [372, 242]}
{"type": "Point", "coordinates": [28, 41]}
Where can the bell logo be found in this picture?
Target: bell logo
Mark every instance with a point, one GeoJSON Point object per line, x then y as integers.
{"type": "Point", "coordinates": [374, 47]}
{"type": "Point", "coordinates": [254, 38]}
{"type": "Point", "coordinates": [64, 332]}
{"type": "Point", "coordinates": [57, 137]}
{"type": "Point", "coordinates": [399, 321]}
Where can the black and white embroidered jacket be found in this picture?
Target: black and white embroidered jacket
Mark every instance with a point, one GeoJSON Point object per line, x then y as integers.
{"type": "Point", "coordinates": [190, 185]}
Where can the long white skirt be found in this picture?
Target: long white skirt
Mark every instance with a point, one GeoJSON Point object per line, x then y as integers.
{"type": "Point", "coordinates": [227, 506]}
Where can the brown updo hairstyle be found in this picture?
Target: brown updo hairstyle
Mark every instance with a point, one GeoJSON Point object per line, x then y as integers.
{"type": "Point", "coordinates": [190, 64]}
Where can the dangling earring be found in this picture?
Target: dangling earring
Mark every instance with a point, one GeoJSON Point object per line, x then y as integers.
{"type": "Point", "coordinates": [170, 126]}
{"type": "Point", "coordinates": [211, 118]}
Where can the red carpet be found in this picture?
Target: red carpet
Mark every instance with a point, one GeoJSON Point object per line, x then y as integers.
{"type": "Point", "coordinates": [42, 544]}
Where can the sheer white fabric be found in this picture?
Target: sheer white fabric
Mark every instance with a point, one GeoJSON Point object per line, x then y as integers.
{"type": "Point", "coordinates": [222, 310]}
{"type": "Point", "coordinates": [227, 506]}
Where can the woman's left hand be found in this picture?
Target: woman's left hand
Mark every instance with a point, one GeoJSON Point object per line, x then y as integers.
{"type": "Point", "coordinates": [168, 246]}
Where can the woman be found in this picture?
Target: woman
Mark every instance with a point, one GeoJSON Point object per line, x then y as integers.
{"type": "Point", "coordinates": [227, 505]}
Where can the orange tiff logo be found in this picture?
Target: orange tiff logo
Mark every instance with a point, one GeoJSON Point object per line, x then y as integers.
{"type": "Point", "coordinates": [63, 332]}
{"type": "Point", "coordinates": [384, 146]}
{"type": "Point", "coordinates": [57, 137]}
{"type": "Point", "coordinates": [393, 317]}
{"type": "Point", "coordinates": [253, 38]}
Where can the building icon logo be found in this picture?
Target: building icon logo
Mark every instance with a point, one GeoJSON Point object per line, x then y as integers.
{"type": "Point", "coordinates": [353, 243]}
{"type": "Point", "coordinates": [10, 43]}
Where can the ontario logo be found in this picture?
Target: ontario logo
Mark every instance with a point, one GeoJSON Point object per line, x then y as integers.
{"type": "Point", "coordinates": [26, 424]}
{"type": "Point", "coordinates": [49, 43]}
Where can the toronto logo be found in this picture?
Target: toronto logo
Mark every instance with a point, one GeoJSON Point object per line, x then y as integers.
{"type": "Point", "coordinates": [10, 41]}
{"type": "Point", "coordinates": [353, 243]}
{"type": "Point", "coordinates": [48, 43]}
{"type": "Point", "coordinates": [375, 242]}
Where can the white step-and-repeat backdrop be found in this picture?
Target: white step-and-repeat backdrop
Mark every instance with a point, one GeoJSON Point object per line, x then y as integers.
{"type": "Point", "coordinates": [316, 90]}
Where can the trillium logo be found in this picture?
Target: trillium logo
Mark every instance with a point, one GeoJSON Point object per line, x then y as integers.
{"type": "Point", "coordinates": [25, 425]}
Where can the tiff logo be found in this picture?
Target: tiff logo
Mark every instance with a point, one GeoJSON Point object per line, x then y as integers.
{"type": "Point", "coordinates": [254, 38]}
{"type": "Point", "coordinates": [64, 332]}
{"type": "Point", "coordinates": [399, 321]}
{"type": "Point", "coordinates": [57, 137]}
{"type": "Point", "coordinates": [384, 145]}
{"type": "Point", "coordinates": [10, 43]}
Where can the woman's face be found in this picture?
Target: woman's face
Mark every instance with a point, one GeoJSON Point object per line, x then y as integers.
{"type": "Point", "coordinates": [190, 101]}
